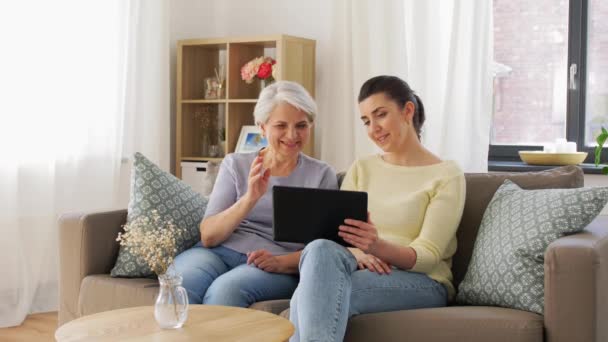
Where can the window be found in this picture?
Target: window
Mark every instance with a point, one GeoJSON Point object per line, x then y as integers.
{"type": "Point", "coordinates": [596, 99]}
{"type": "Point", "coordinates": [550, 74]}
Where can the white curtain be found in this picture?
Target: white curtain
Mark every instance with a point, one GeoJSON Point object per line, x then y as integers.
{"type": "Point", "coordinates": [69, 115]}
{"type": "Point", "coordinates": [441, 48]}
{"type": "Point", "coordinates": [450, 60]}
{"type": "Point", "coordinates": [368, 39]}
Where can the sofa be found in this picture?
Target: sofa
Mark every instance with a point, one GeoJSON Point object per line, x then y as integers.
{"type": "Point", "coordinates": [576, 278]}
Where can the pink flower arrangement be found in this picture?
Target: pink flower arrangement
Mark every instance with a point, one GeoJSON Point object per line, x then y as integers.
{"type": "Point", "coordinates": [262, 68]}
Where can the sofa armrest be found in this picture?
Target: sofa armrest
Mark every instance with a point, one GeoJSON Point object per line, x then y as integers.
{"type": "Point", "coordinates": [87, 245]}
{"type": "Point", "coordinates": [576, 279]}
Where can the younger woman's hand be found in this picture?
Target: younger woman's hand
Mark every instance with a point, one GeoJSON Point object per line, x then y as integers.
{"type": "Point", "coordinates": [370, 262]}
{"type": "Point", "coordinates": [362, 235]}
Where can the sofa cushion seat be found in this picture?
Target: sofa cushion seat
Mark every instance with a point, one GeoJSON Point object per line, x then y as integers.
{"type": "Point", "coordinates": [452, 323]}
{"type": "Point", "coordinates": [100, 292]}
{"type": "Point", "coordinates": [276, 306]}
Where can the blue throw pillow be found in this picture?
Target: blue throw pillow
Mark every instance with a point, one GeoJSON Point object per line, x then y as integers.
{"type": "Point", "coordinates": [154, 189]}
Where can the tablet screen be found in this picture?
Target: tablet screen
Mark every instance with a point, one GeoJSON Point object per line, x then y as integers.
{"type": "Point", "coordinates": [306, 214]}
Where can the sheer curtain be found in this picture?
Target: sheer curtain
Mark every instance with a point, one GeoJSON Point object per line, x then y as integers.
{"type": "Point", "coordinates": [441, 48]}
{"type": "Point", "coordinates": [450, 60]}
{"type": "Point", "coordinates": [368, 39]}
{"type": "Point", "coordinates": [68, 116]}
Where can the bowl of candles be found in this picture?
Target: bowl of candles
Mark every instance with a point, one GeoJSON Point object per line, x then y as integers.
{"type": "Point", "coordinates": [559, 153]}
{"type": "Point", "coordinates": [547, 158]}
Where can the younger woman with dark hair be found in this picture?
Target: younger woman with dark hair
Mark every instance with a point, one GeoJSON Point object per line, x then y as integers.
{"type": "Point", "coordinates": [402, 255]}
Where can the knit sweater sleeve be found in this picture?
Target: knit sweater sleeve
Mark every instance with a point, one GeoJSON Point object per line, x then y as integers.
{"type": "Point", "coordinates": [350, 179]}
{"type": "Point", "coordinates": [440, 223]}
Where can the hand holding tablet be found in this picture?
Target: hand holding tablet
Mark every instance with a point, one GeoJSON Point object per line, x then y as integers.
{"type": "Point", "coordinates": [360, 234]}
{"type": "Point", "coordinates": [305, 214]}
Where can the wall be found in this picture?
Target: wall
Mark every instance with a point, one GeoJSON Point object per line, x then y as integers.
{"type": "Point", "coordinates": [214, 19]}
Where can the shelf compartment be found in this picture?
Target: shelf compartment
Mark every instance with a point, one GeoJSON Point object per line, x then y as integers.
{"type": "Point", "coordinates": [200, 128]}
{"type": "Point", "coordinates": [198, 63]}
{"type": "Point", "coordinates": [239, 55]}
{"type": "Point", "coordinates": [239, 114]}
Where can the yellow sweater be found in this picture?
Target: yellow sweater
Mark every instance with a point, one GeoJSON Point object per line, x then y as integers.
{"type": "Point", "coordinates": [417, 206]}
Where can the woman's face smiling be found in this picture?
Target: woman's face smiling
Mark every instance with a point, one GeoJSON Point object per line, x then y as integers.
{"type": "Point", "coordinates": [287, 129]}
{"type": "Point", "coordinates": [388, 126]}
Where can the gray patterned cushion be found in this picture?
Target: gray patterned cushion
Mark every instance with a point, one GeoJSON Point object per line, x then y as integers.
{"type": "Point", "coordinates": [517, 227]}
{"type": "Point", "coordinates": [153, 188]}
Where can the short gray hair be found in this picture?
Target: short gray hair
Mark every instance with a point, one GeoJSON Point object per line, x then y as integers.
{"type": "Point", "coordinates": [283, 92]}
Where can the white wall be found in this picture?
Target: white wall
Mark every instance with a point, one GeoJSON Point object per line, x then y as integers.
{"type": "Point", "coordinates": [242, 18]}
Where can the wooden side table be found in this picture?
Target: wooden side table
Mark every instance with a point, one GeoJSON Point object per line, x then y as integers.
{"type": "Point", "coordinates": [205, 323]}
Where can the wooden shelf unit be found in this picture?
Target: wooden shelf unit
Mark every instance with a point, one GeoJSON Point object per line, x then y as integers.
{"type": "Point", "coordinates": [200, 120]}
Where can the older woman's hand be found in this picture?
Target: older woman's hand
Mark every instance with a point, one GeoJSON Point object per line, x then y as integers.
{"type": "Point", "coordinates": [258, 178]}
{"type": "Point", "coordinates": [262, 259]}
{"type": "Point", "coordinates": [363, 235]}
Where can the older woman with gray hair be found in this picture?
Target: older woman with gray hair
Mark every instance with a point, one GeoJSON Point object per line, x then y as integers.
{"type": "Point", "coordinates": [237, 262]}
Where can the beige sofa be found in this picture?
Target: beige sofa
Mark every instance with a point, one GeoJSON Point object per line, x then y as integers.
{"type": "Point", "coordinates": [576, 279]}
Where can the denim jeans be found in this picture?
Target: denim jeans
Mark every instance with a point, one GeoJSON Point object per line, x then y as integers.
{"type": "Point", "coordinates": [332, 289]}
{"type": "Point", "coordinates": [221, 276]}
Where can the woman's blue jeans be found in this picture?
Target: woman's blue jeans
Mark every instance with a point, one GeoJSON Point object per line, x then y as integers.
{"type": "Point", "coordinates": [221, 276]}
{"type": "Point", "coordinates": [332, 289]}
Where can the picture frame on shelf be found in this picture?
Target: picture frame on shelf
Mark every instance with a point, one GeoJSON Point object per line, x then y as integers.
{"type": "Point", "coordinates": [250, 140]}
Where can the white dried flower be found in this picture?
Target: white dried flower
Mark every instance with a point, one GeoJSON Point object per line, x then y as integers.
{"type": "Point", "coordinates": [152, 240]}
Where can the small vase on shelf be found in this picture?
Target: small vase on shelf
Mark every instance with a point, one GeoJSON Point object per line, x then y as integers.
{"type": "Point", "coordinates": [171, 307]}
{"type": "Point", "coordinates": [206, 144]}
{"type": "Point", "coordinates": [265, 82]}
{"type": "Point", "coordinates": [214, 151]}
{"type": "Point", "coordinates": [221, 137]}
{"type": "Point", "coordinates": [222, 148]}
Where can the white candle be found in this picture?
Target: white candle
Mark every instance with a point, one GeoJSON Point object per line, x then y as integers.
{"type": "Point", "coordinates": [571, 147]}
{"type": "Point", "coordinates": [560, 145]}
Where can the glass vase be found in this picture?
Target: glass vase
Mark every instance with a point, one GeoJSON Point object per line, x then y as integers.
{"type": "Point", "coordinates": [205, 144]}
{"type": "Point", "coordinates": [214, 151]}
{"type": "Point", "coordinates": [171, 307]}
{"type": "Point", "coordinates": [265, 83]}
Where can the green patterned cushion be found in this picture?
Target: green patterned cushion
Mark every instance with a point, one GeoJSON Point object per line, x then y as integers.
{"type": "Point", "coordinates": [517, 227]}
{"type": "Point", "coordinates": [153, 188]}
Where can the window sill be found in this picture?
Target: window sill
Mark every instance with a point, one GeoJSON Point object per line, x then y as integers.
{"type": "Point", "coordinates": [519, 166]}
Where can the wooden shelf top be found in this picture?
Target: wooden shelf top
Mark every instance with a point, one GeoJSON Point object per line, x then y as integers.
{"type": "Point", "coordinates": [267, 41]}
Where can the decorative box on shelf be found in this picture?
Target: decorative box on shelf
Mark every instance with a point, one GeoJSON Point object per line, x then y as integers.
{"type": "Point", "coordinates": [200, 175]}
